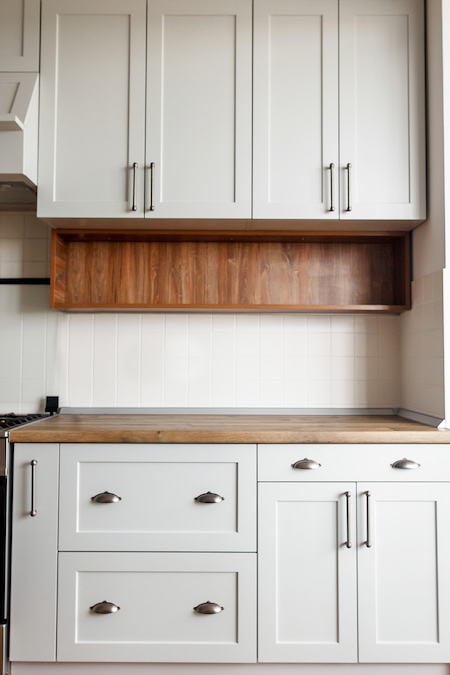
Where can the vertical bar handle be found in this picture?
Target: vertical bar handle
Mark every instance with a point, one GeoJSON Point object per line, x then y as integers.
{"type": "Point", "coordinates": [349, 187]}
{"type": "Point", "coordinates": [331, 167]}
{"type": "Point", "coordinates": [368, 520]}
{"type": "Point", "coordinates": [348, 543]}
{"type": "Point", "coordinates": [33, 511]}
{"type": "Point", "coordinates": [152, 176]}
{"type": "Point", "coordinates": [134, 205]}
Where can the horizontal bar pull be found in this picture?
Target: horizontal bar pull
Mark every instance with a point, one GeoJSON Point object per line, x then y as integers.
{"type": "Point", "coordinates": [106, 498]}
{"type": "Point", "coordinates": [104, 608]}
{"type": "Point", "coordinates": [306, 464]}
{"type": "Point", "coordinates": [209, 498]}
{"type": "Point", "coordinates": [208, 608]}
{"type": "Point", "coordinates": [405, 464]}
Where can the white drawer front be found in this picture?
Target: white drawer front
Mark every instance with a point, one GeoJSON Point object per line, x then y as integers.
{"type": "Point", "coordinates": [158, 486]}
{"type": "Point", "coordinates": [156, 594]}
{"type": "Point", "coordinates": [353, 462]}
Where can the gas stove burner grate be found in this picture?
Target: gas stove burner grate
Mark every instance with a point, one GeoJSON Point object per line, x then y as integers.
{"type": "Point", "coordinates": [11, 420]}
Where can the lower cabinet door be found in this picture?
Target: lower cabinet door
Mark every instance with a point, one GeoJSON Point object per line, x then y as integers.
{"type": "Point", "coordinates": [307, 573]}
{"type": "Point", "coordinates": [404, 574]}
{"type": "Point", "coordinates": [189, 607]}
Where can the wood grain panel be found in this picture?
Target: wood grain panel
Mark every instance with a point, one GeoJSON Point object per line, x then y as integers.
{"type": "Point", "coordinates": [227, 429]}
{"type": "Point", "coordinates": [233, 272]}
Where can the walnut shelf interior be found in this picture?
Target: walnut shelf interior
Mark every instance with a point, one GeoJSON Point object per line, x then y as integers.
{"type": "Point", "coordinates": [235, 271]}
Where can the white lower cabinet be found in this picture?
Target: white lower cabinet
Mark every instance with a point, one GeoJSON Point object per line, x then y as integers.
{"type": "Point", "coordinates": [192, 607]}
{"type": "Point", "coordinates": [349, 570]}
{"type": "Point", "coordinates": [353, 571]}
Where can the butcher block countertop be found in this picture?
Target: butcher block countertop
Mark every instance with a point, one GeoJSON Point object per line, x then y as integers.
{"type": "Point", "coordinates": [166, 428]}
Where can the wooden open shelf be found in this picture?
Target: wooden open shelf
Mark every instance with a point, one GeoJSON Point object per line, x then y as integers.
{"type": "Point", "coordinates": [230, 271]}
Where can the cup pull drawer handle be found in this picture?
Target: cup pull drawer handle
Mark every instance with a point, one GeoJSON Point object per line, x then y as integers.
{"type": "Point", "coordinates": [104, 608]}
{"type": "Point", "coordinates": [209, 498]}
{"type": "Point", "coordinates": [208, 608]}
{"type": "Point", "coordinates": [106, 498]}
{"type": "Point", "coordinates": [405, 464]}
{"type": "Point", "coordinates": [306, 464]}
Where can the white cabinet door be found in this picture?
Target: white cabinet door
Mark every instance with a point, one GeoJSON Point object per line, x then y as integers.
{"type": "Point", "coordinates": [199, 109]}
{"type": "Point", "coordinates": [34, 553]}
{"type": "Point", "coordinates": [19, 35]}
{"type": "Point", "coordinates": [382, 116]}
{"type": "Point", "coordinates": [404, 580]}
{"type": "Point", "coordinates": [295, 109]}
{"type": "Point", "coordinates": [155, 497]}
{"type": "Point", "coordinates": [92, 116]}
{"type": "Point", "coordinates": [307, 573]}
{"type": "Point", "coordinates": [156, 594]}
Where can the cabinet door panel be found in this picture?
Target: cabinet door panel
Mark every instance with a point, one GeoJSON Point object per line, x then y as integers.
{"type": "Point", "coordinates": [307, 574]}
{"type": "Point", "coordinates": [92, 108]}
{"type": "Point", "coordinates": [199, 108]}
{"type": "Point", "coordinates": [34, 554]}
{"type": "Point", "coordinates": [156, 594]}
{"type": "Point", "coordinates": [19, 35]}
{"type": "Point", "coordinates": [404, 584]}
{"type": "Point", "coordinates": [295, 108]}
{"type": "Point", "coordinates": [382, 119]}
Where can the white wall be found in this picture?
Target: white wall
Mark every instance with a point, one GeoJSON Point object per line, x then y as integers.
{"type": "Point", "coordinates": [178, 360]}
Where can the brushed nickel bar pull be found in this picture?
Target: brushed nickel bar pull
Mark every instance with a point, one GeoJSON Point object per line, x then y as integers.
{"type": "Point", "coordinates": [152, 171]}
{"type": "Point", "coordinates": [349, 540]}
{"type": "Point", "coordinates": [349, 187]}
{"type": "Point", "coordinates": [331, 187]}
{"type": "Point", "coordinates": [368, 528]}
{"type": "Point", "coordinates": [33, 511]}
{"type": "Point", "coordinates": [134, 206]}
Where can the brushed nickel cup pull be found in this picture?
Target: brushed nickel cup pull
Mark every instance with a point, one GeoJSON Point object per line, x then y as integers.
{"type": "Point", "coordinates": [106, 498]}
{"type": "Point", "coordinates": [152, 172]}
{"type": "Point", "coordinates": [209, 498]}
{"type": "Point", "coordinates": [33, 511]}
{"type": "Point", "coordinates": [368, 523]}
{"type": "Point", "coordinates": [331, 187]}
{"type": "Point", "coordinates": [104, 608]}
{"type": "Point", "coordinates": [349, 187]}
{"type": "Point", "coordinates": [306, 464]}
{"type": "Point", "coordinates": [405, 464]}
{"type": "Point", "coordinates": [134, 206]}
{"type": "Point", "coordinates": [348, 543]}
{"type": "Point", "coordinates": [208, 608]}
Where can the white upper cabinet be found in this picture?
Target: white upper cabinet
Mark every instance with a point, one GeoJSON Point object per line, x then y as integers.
{"type": "Point", "coordinates": [19, 35]}
{"type": "Point", "coordinates": [347, 74]}
{"type": "Point", "coordinates": [93, 160]}
{"type": "Point", "coordinates": [295, 142]}
{"type": "Point", "coordinates": [199, 104]}
{"type": "Point", "coordinates": [382, 109]}
{"type": "Point", "coordinates": [92, 119]}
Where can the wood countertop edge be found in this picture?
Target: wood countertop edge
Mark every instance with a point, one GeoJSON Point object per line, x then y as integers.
{"type": "Point", "coordinates": [214, 436]}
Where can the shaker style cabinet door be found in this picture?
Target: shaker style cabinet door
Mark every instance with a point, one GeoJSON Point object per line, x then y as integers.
{"type": "Point", "coordinates": [34, 552]}
{"type": "Point", "coordinates": [295, 151]}
{"type": "Point", "coordinates": [382, 115]}
{"type": "Point", "coordinates": [19, 35]}
{"type": "Point", "coordinates": [404, 580]}
{"type": "Point", "coordinates": [92, 116]}
{"type": "Point", "coordinates": [199, 101]}
{"type": "Point", "coordinates": [307, 573]}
